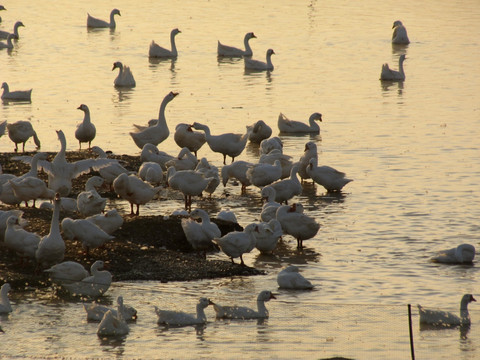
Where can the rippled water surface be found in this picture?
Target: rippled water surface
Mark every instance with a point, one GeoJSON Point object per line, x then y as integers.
{"type": "Point", "coordinates": [411, 148]}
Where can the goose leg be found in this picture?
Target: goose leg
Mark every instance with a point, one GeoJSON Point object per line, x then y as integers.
{"type": "Point", "coordinates": [299, 244]}
{"type": "Point", "coordinates": [224, 159]}
{"type": "Point", "coordinates": [23, 149]}
{"type": "Point", "coordinates": [131, 209]}
{"type": "Point", "coordinates": [138, 209]}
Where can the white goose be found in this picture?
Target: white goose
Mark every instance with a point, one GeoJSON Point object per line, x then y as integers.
{"type": "Point", "coordinates": [269, 208]}
{"type": "Point", "coordinates": [93, 22]}
{"type": "Point", "coordinates": [263, 174]}
{"type": "Point", "coordinates": [393, 75]}
{"type": "Point", "coordinates": [208, 171]}
{"type": "Point", "coordinates": [300, 226]}
{"type": "Point", "coordinates": [95, 312]}
{"type": "Point", "coordinates": [109, 222]}
{"type": "Point", "coordinates": [20, 95]}
{"type": "Point", "coordinates": [227, 215]}
{"type": "Point", "coordinates": [66, 272]}
{"type": "Point", "coordinates": [230, 51]}
{"type": "Point", "coordinates": [285, 160]}
{"type": "Point", "coordinates": [30, 188]}
{"type": "Point", "coordinates": [4, 34]}
{"type": "Point", "coordinates": [125, 77]}
{"type": "Point", "coordinates": [89, 202]}
{"type": "Point", "coordinates": [24, 243]}
{"type": "Point", "coordinates": [94, 285]}
{"type": "Point", "coordinates": [9, 44]}
{"type": "Point", "coordinates": [4, 215]}
{"type": "Point", "coordinates": [267, 145]}
{"type": "Point", "coordinates": [287, 188]}
{"type": "Point", "coordinates": [286, 125]}
{"type": "Point", "coordinates": [260, 132]}
{"type": "Point", "coordinates": [156, 51]}
{"type": "Point", "coordinates": [185, 137]}
{"type": "Point", "coordinates": [244, 313]}
{"type": "Point", "coordinates": [328, 177]}
{"type": "Point", "coordinates": [112, 325]}
{"type": "Point", "coordinates": [290, 278]}
{"type": "Point", "coordinates": [151, 153]}
{"type": "Point", "coordinates": [309, 153]}
{"type": "Point", "coordinates": [134, 190]}
{"type": "Point", "coordinates": [51, 249]}
{"type": "Point", "coordinates": [257, 65]}
{"type": "Point", "coordinates": [5, 306]}
{"type": "Point", "coordinates": [109, 172]}
{"type": "Point", "coordinates": [237, 170]}
{"type": "Point", "coordinates": [200, 235]}
{"type": "Point", "coordinates": [20, 132]}
{"type": "Point", "coordinates": [236, 243]}
{"type": "Point", "coordinates": [151, 172]}
{"type": "Point", "coordinates": [445, 318]}
{"type": "Point", "coordinates": [399, 35]}
{"type": "Point", "coordinates": [85, 131]}
{"type": "Point", "coordinates": [267, 236]}
{"type": "Point", "coordinates": [85, 231]}
{"type": "Point", "coordinates": [178, 318]}
{"type": "Point", "coordinates": [227, 144]}
{"type": "Point", "coordinates": [185, 160]}
{"type": "Point", "coordinates": [157, 133]}
{"type": "Point", "coordinates": [462, 254]}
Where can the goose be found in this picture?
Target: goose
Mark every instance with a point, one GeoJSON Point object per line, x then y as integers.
{"type": "Point", "coordinates": [134, 190]}
{"type": "Point", "coordinates": [267, 145]}
{"type": "Point", "coordinates": [236, 243]}
{"type": "Point", "coordinates": [267, 236]}
{"type": "Point", "coordinates": [109, 222]}
{"type": "Point", "coordinates": [309, 153]}
{"type": "Point", "coordinates": [227, 215]}
{"type": "Point", "coordinates": [260, 132]}
{"type": "Point", "coordinates": [208, 171]}
{"type": "Point", "coordinates": [109, 172]}
{"type": "Point", "coordinates": [245, 313]}
{"type": "Point", "coordinates": [185, 160]}
{"type": "Point", "coordinates": [31, 188]}
{"type": "Point", "coordinates": [93, 22]}
{"type": "Point", "coordinates": [51, 248]}
{"type": "Point", "coordinates": [328, 177]}
{"type": "Point", "coordinates": [85, 130]}
{"type": "Point", "coordinates": [294, 223]}
{"type": "Point", "coordinates": [9, 43]}
{"type": "Point", "coordinates": [87, 232]}
{"type": "Point", "coordinates": [230, 51]}
{"type": "Point", "coordinates": [288, 126]}
{"type": "Point", "coordinates": [287, 188]}
{"type": "Point", "coordinates": [112, 326]}
{"type": "Point", "coordinates": [447, 319]}
{"type": "Point", "coordinates": [157, 133]}
{"type": "Point", "coordinates": [200, 235]}
{"type": "Point", "coordinates": [156, 51]}
{"type": "Point", "coordinates": [462, 254]}
{"type": "Point", "coordinates": [94, 285]}
{"type": "Point", "coordinates": [24, 243]}
{"type": "Point", "coordinates": [95, 312]}
{"type": "Point", "coordinates": [393, 75]}
{"type": "Point", "coordinates": [263, 174]}
{"type": "Point", "coordinates": [178, 318]}
{"type": "Point", "coordinates": [290, 278]}
{"type": "Point", "coordinates": [227, 144]}
{"type": "Point", "coordinates": [66, 272]}
{"type": "Point", "coordinates": [251, 64]}
{"type": "Point", "coordinates": [4, 34]}
{"type": "Point", "coordinates": [237, 170]}
{"type": "Point", "coordinates": [269, 208]}
{"type": "Point", "coordinates": [20, 95]}
{"type": "Point", "coordinates": [89, 202]}
{"type": "Point", "coordinates": [4, 215]}
{"type": "Point", "coordinates": [285, 160]}
{"type": "Point", "coordinates": [189, 182]}
{"type": "Point", "coordinates": [151, 153]}
{"type": "Point", "coordinates": [399, 35]}
{"type": "Point", "coordinates": [20, 132]}
{"type": "Point", "coordinates": [185, 137]}
{"type": "Point", "coordinates": [125, 77]}
{"type": "Point", "coordinates": [151, 172]}
{"type": "Point", "coordinates": [5, 306]}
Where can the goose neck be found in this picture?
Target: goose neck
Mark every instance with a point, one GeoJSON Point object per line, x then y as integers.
{"type": "Point", "coordinates": [262, 309]}
{"type": "Point", "coordinates": [86, 117]}
{"type": "Point", "coordinates": [112, 19]}
{"type": "Point", "coordinates": [201, 313]}
{"type": "Point", "coordinates": [172, 43]}
{"type": "Point", "coordinates": [55, 224]}
{"type": "Point", "coordinates": [248, 49]}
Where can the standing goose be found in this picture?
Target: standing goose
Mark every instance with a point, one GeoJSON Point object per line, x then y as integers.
{"type": "Point", "coordinates": [269, 209]}
{"type": "Point", "coordinates": [236, 243]}
{"type": "Point", "coordinates": [445, 318]}
{"type": "Point", "coordinates": [125, 77]}
{"type": "Point", "coordinates": [244, 313]}
{"type": "Point", "coordinates": [151, 172]}
{"type": "Point", "coordinates": [200, 235]}
{"type": "Point", "coordinates": [185, 160]}
{"type": "Point", "coordinates": [110, 171]}
{"type": "Point", "coordinates": [5, 306]}
{"type": "Point", "coordinates": [18, 95]}
{"type": "Point", "coordinates": [267, 236]}
{"type": "Point", "coordinates": [328, 177]}
{"type": "Point", "coordinates": [309, 153]}
{"type": "Point", "coordinates": [178, 318]}
{"type": "Point", "coordinates": [31, 188]}
{"type": "Point", "coordinates": [134, 190]}
{"type": "Point", "coordinates": [462, 254]}
{"type": "Point", "coordinates": [157, 133]}
{"type": "Point", "coordinates": [85, 130]}
{"type": "Point", "coordinates": [4, 34]}
{"type": "Point", "coordinates": [230, 51]}
{"type": "Point", "coordinates": [287, 188]}
{"type": "Point", "coordinates": [156, 51]}
{"type": "Point", "coordinates": [93, 22]}
{"type": "Point", "coordinates": [20, 132]}
{"type": "Point", "coordinates": [237, 170]}
{"type": "Point", "coordinates": [393, 75]}
{"type": "Point", "coordinates": [208, 171]}
{"type": "Point", "coordinates": [300, 226]}
{"type": "Point", "coordinates": [287, 126]}
{"type": "Point", "coordinates": [285, 160]}
{"type": "Point", "coordinates": [251, 64]}
{"type": "Point", "coordinates": [399, 35]}
{"type": "Point", "coordinates": [185, 137]}
{"type": "Point", "coordinates": [263, 174]}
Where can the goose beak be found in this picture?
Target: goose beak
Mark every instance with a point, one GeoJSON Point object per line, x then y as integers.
{"type": "Point", "coordinates": [210, 302]}
{"type": "Point", "coordinates": [472, 298]}
{"type": "Point", "coordinates": [272, 296]}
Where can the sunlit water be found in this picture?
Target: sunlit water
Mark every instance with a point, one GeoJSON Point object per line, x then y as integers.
{"type": "Point", "coordinates": [412, 150]}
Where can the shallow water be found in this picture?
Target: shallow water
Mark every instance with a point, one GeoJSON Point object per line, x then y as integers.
{"type": "Point", "coordinates": [412, 150]}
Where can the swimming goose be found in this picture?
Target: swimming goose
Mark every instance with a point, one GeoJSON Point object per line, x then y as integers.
{"type": "Point", "coordinates": [328, 177]}
{"type": "Point", "coordinates": [290, 278]}
{"type": "Point", "coordinates": [23, 242]}
{"type": "Point", "coordinates": [393, 75]}
{"type": "Point", "coordinates": [185, 137]}
{"type": "Point", "coordinates": [236, 170]}
{"type": "Point", "coordinates": [108, 222]}
{"type": "Point", "coordinates": [230, 51]}
{"type": "Point", "coordinates": [94, 285]}
{"type": "Point", "coordinates": [236, 243]}
{"type": "Point", "coordinates": [185, 160]}
{"type": "Point", "coordinates": [300, 226]}
{"type": "Point", "coordinates": [445, 318]}
{"type": "Point", "coordinates": [157, 133]}
{"type": "Point", "coordinates": [134, 190]}
{"type": "Point", "coordinates": [263, 174]}
{"type": "Point", "coordinates": [269, 208]}
{"type": "Point", "coordinates": [200, 235]}
{"type": "Point", "coordinates": [19, 95]}
{"type": "Point", "coordinates": [20, 132]}
{"type": "Point", "coordinates": [260, 132]}
{"type": "Point", "coordinates": [85, 231]}
{"type": "Point", "coordinates": [286, 125]}
{"type": "Point", "coordinates": [462, 254]}
{"type": "Point", "coordinates": [110, 171]}
{"type": "Point", "coordinates": [244, 313]}
{"type": "Point", "coordinates": [267, 236]}
{"type": "Point", "coordinates": [112, 325]}
{"type": "Point", "coordinates": [4, 34]}
{"type": "Point", "coordinates": [89, 202]}
{"type": "Point", "coordinates": [8, 44]}
{"type": "Point", "coordinates": [227, 144]}
{"type": "Point", "coordinates": [399, 35]}
{"type": "Point", "coordinates": [309, 153]}
{"type": "Point", "coordinates": [151, 153]}
{"type": "Point", "coordinates": [66, 272]}
{"type": "Point", "coordinates": [178, 318]}
{"type": "Point", "coordinates": [5, 306]}
{"type": "Point", "coordinates": [51, 249]}
{"type": "Point", "coordinates": [208, 171]}
{"type": "Point", "coordinates": [125, 77]}
{"type": "Point", "coordinates": [267, 145]}
{"type": "Point", "coordinates": [151, 172]}
{"type": "Point", "coordinates": [287, 188]}
{"type": "Point", "coordinates": [85, 130]}
{"type": "Point", "coordinates": [31, 188]}
{"type": "Point", "coordinates": [95, 312]}
{"type": "Point", "coordinates": [93, 22]}
{"type": "Point", "coordinates": [285, 160]}
{"type": "Point", "coordinates": [251, 64]}
{"type": "Point", "coordinates": [156, 51]}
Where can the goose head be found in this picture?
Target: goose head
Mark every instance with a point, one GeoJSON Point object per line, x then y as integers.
{"type": "Point", "coordinates": [115, 12]}
{"type": "Point", "coordinates": [117, 64]}
{"type": "Point", "coordinates": [265, 295]}
{"type": "Point", "coordinates": [67, 227]}
{"type": "Point", "coordinates": [397, 23]}
{"type": "Point", "coordinates": [12, 220]}
{"type": "Point", "coordinates": [310, 145]}
{"type": "Point", "coordinates": [5, 86]}
{"type": "Point", "coordinates": [250, 35]}
{"type": "Point", "coordinates": [175, 32]}
{"type": "Point", "coordinates": [83, 107]}
{"type": "Point", "coordinates": [316, 116]}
